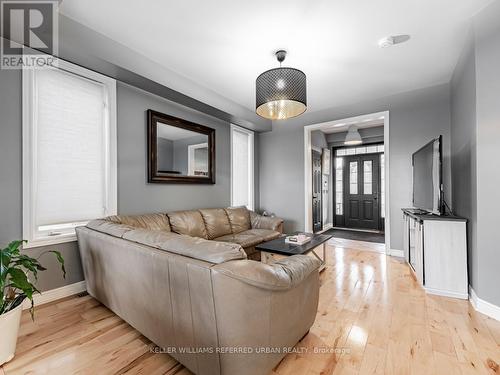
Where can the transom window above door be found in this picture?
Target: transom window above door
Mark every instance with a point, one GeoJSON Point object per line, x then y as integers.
{"type": "Point", "coordinates": [370, 149]}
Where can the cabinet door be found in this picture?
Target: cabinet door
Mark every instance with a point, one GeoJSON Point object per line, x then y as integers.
{"type": "Point", "coordinates": [406, 237]}
{"type": "Point", "coordinates": [419, 252]}
{"type": "Point", "coordinates": [446, 257]}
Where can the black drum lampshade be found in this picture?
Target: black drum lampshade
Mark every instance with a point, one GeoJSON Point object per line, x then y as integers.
{"type": "Point", "coordinates": [281, 92]}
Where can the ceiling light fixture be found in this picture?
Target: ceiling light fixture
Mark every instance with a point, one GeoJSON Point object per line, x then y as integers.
{"type": "Point", "coordinates": [386, 42]}
{"type": "Point", "coordinates": [353, 137]}
{"type": "Point", "coordinates": [389, 41]}
{"type": "Point", "coordinates": [281, 92]}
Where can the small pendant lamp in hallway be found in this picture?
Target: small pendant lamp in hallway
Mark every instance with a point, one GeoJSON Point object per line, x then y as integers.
{"type": "Point", "coordinates": [353, 137]}
{"type": "Point", "coordinates": [281, 92]}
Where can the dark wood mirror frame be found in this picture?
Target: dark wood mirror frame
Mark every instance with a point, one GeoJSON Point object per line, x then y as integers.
{"type": "Point", "coordinates": [159, 177]}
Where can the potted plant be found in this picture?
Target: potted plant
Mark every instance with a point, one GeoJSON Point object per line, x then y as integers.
{"type": "Point", "coordinates": [15, 286]}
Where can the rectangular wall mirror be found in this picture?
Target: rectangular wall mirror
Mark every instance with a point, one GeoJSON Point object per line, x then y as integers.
{"type": "Point", "coordinates": [179, 151]}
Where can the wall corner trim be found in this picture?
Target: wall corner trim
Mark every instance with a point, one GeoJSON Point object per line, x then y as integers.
{"type": "Point", "coordinates": [483, 306]}
{"type": "Point", "coordinates": [55, 294]}
{"type": "Point", "coordinates": [396, 253]}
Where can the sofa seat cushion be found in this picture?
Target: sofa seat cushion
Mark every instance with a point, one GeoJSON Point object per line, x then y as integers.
{"type": "Point", "coordinates": [216, 222]}
{"type": "Point", "coordinates": [250, 238]}
{"type": "Point", "coordinates": [239, 217]}
{"type": "Point", "coordinates": [265, 234]}
{"type": "Point", "coordinates": [192, 247]}
{"type": "Point", "coordinates": [245, 240]}
{"type": "Point", "coordinates": [189, 223]}
{"type": "Point", "coordinates": [158, 221]}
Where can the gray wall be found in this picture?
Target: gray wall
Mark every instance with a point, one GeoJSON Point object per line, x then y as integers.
{"type": "Point", "coordinates": [487, 67]}
{"type": "Point", "coordinates": [415, 118]}
{"type": "Point", "coordinates": [463, 150]}
{"type": "Point", "coordinates": [11, 187]}
{"type": "Point", "coordinates": [135, 195]}
{"type": "Point", "coordinates": [488, 136]}
{"type": "Point", "coordinates": [165, 150]}
{"type": "Point", "coordinates": [88, 48]}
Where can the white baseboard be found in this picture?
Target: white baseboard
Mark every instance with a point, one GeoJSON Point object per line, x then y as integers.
{"type": "Point", "coordinates": [396, 253]}
{"type": "Point", "coordinates": [359, 230]}
{"type": "Point", "coordinates": [55, 294]}
{"type": "Point", "coordinates": [325, 228]}
{"type": "Point", "coordinates": [482, 306]}
{"type": "Point", "coordinates": [446, 293]}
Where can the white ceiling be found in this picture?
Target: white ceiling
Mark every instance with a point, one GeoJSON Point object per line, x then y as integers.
{"type": "Point", "coordinates": [224, 45]}
{"type": "Point", "coordinates": [343, 127]}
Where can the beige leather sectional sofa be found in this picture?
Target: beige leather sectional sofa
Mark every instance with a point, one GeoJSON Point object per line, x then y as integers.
{"type": "Point", "coordinates": [185, 281]}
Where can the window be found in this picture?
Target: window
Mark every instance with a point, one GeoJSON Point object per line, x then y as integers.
{"type": "Point", "coordinates": [350, 151]}
{"type": "Point", "coordinates": [69, 151]}
{"type": "Point", "coordinates": [339, 189]}
{"type": "Point", "coordinates": [198, 159]}
{"type": "Point", "coordinates": [367, 177]}
{"type": "Point", "coordinates": [359, 150]}
{"type": "Point", "coordinates": [353, 177]}
{"type": "Point", "coordinates": [242, 172]}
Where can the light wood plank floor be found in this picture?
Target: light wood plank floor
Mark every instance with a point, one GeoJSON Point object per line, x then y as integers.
{"type": "Point", "coordinates": [370, 306]}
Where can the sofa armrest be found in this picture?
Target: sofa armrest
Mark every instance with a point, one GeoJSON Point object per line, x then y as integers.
{"type": "Point", "coordinates": [281, 275]}
{"type": "Point", "coordinates": [266, 222]}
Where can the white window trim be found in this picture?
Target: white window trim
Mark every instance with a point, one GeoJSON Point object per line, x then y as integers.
{"type": "Point", "coordinates": [191, 150]}
{"type": "Point", "coordinates": [251, 173]}
{"type": "Point", "coordinates": [29, 153]}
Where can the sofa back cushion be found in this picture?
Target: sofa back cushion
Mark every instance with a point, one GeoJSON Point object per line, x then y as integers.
{"type": "Point", "coordinates": [216, 222]}
{"type": "Point", "coordinates": [157, 221]}
{"type": "Point", "coordinates": [114, 229]}
{"type": "Point", "coordinates": [239, 218]}
{"type": "Point", "coordinates": [188, 222]}
{"type": "Point", "coordinates": [192, 247]}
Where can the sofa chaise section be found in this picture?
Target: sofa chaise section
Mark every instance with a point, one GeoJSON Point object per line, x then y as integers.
{"type": "Point", "coordinates": [182, 291]}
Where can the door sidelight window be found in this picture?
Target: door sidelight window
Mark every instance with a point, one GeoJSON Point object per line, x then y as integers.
{"type": "Point", "coordinates": [367, 177]}
{"type": "Point", "coordinates": [353, 177]}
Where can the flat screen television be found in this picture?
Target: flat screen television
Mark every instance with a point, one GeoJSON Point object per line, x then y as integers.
{"type": "Point", "coordinates": [428, 178]}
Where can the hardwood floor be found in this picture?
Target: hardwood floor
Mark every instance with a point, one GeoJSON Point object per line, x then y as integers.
{"type": "Point", "coordinates": [372, 315]}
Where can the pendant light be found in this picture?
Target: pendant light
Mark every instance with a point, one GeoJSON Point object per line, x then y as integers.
{"type": "Point", "coordinates": [353, 137]}
{"type": "Point", "coordinates": [281, 92]}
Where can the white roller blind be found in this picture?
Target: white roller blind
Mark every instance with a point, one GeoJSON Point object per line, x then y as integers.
{"type": "Point", "coordinates": [242, 168]}
{"type": "Point", "coordinates": [69, 148]}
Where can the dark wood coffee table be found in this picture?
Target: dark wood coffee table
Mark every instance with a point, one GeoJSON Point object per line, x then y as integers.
{"type": "Point", "coordinates": [275, 249]}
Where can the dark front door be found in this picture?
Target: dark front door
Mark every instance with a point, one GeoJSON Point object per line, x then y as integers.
{"type": "Point", "coordinates": [361, 191]}
{"type": "Point", "coordinates": [316, 192]}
